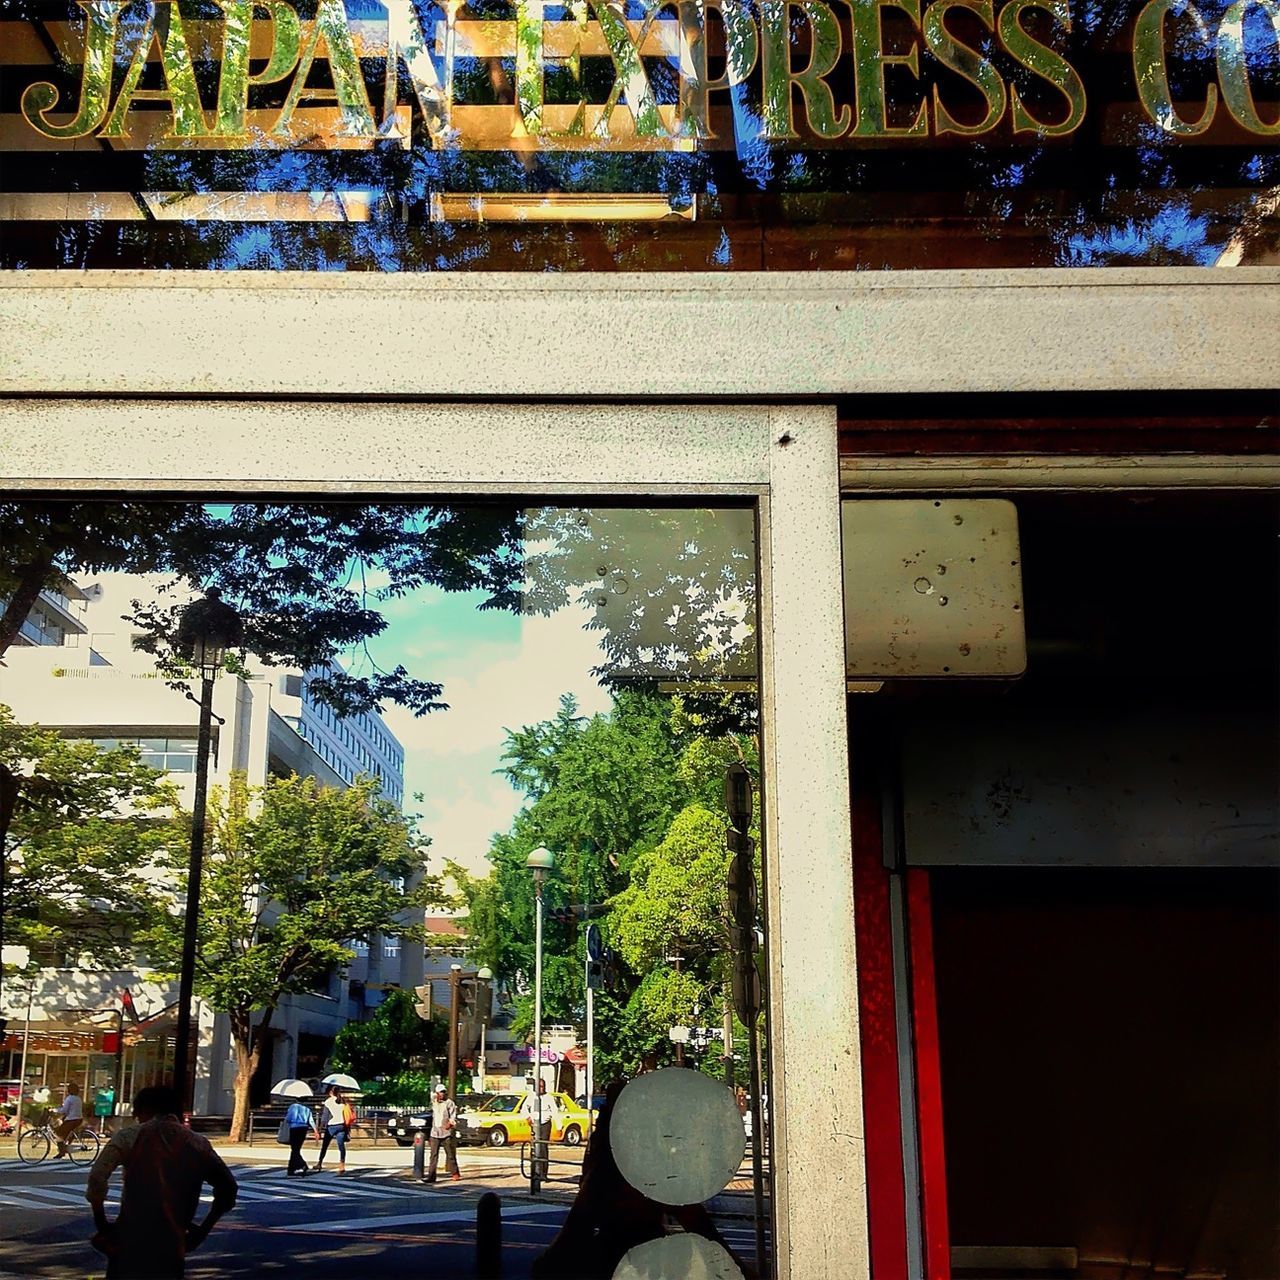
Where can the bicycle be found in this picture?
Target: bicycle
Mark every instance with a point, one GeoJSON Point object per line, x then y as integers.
{"type": "Point", "coordinates": [35, 1144]}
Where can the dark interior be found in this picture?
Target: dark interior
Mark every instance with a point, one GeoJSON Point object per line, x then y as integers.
{"type": "Point", "coordinates": [1110, 1035]}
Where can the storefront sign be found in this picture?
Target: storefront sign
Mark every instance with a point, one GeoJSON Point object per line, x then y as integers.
{"type": "Point", "coordinates": [847, 72]}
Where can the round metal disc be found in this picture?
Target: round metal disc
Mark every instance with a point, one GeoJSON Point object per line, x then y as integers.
{"type": "Point", "coordinates": [681, 1257]}
{"type": "Point", "coordinates": [677, 1135]}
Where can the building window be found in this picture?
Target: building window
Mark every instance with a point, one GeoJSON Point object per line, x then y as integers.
{"type": "Point", "coordinates": [391, 948]}
{"type": "Point", "coordinates": [175, 755]}
{"type": "Point", "coordinates": [360, 946]}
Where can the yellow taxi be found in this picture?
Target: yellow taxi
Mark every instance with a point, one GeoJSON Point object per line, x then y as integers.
{"type": "Point", "coordinates": [505, 1118]}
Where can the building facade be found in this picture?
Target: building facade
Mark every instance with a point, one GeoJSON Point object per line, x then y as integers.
{"type": "Point", "coordinates": [100, 689]}
{"type": "Point", "coordinates": [799, 258]}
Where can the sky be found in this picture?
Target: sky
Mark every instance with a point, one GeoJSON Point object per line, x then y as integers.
{"type": "Point", "coordinates": [499, 671]}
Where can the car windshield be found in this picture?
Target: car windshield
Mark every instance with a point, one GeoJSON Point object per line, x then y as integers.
{"type": "Point", "coordinates": [508, 1103]}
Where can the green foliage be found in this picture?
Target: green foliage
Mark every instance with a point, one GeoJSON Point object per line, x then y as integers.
{"type": "Point", "coordinates": [392, 1040]}
{"type": "Point", "coordinates": [632, 804]}
{"type": "Point", "coordinates": [293, 873]}
{"type": "Point", "coordinates": [404, 1089]}
{"type": "Point", "coordinates": [88, 828]}
{"type": "Point", "coordinates": [677, 896]}
{"type": "Point", "coordinates": [297, 572]}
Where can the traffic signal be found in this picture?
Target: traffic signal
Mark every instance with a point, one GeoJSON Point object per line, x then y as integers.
{"type": "Point", "coordinates": [575, 911]}
{"type": "Point", "coordinates": [422, 995]}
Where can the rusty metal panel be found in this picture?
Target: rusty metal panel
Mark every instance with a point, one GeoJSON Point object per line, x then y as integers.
{"type": "Point", "coordinates": [932, 588]}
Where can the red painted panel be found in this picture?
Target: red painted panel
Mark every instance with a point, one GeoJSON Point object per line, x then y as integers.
{"type": "Point", "coordinates": [924, 999]}
{"type": "Point", "coordinates": [878, 1037]}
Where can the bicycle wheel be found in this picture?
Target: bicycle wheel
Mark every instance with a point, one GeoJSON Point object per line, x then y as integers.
{"type": "Point", "coordinates": [83, 1148]}
{"type": "Point", "coordinates": [33, 1146]}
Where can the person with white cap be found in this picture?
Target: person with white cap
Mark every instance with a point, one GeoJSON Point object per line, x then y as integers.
{"type": "Point", "coordinates": [444, 1123]}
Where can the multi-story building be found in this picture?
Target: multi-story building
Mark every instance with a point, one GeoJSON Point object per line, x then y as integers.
{"type": "Point", "coordinates": [57, 617]}
{"type": "Point", "coordinates": [265, 726]}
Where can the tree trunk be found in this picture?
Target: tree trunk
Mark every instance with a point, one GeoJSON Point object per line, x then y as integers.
{"type": "Point", "coordinates": [18, 606]}
{"type": "Point", "coordinates": [248, 1041]}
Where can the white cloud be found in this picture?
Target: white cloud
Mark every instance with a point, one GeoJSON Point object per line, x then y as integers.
{"type": "Point", "coordinates": [555, 656]}
{"type": "Point", "coordinates": [450, 755]}
{"type": "Point", "coordinates": [462, 810]}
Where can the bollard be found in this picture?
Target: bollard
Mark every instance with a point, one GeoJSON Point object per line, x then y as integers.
{"type": "Point", "coordinates": [419, 1155]}
{"type": "Point", "coordinates": [489, 1237]}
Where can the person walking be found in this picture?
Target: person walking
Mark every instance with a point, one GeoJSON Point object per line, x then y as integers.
{"type": "Point", "coordinates": [72, 1113]}
{"type": "Point", "coordinates": [444, 1124]}
{"type": "Point", "coordinates": [337, 1117]}
{"type": "Point", "coordinates": [298, 1119]}
{"type": "Point", "coordinates": [165, 1167]}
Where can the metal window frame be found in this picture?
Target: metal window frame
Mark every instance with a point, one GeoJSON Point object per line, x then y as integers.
{"type": "Point", "coordinates": [784, 461]}
{"type": "Point", "coordinates": [214, 382]}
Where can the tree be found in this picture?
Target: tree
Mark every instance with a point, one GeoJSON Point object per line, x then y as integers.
{"type": "Point", "coordinates": [393, 1040]}
{"type": "Point", "coordinates": [81, 843]}
{"type": "Point", "coordinates": [293, 874]}
{"type": "Point", "coordinates": [677, 897]}
{"type": "Point", "coordinates": [299, 573]}
{"type": "Point", "coordinates": [632, 803]}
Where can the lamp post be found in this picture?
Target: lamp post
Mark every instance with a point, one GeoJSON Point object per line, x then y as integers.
{"type": "Point", "coordinates": [206, 630]}
{"type": "Point", "coordinates": [540, 861]}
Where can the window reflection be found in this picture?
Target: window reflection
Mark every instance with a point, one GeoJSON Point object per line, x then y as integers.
{"type": "Point", "coordinates": [809, 134]}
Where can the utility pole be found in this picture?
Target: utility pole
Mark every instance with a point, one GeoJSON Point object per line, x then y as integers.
{"type": "Point", "coordinates": [675, 959]}
{"type": "Point", "coordinates": [746, 978]}
{"type": "Point", "coordinates": [22, 1070]}
{"type": "Point", "coordinates": [594, 950]}
{"type": "Point", "coordinates": [455, 972]}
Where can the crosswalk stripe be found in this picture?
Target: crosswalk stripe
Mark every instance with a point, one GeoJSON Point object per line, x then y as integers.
{"type": "Point", "coordinates": [45, 1195]}
{"type": "Point", "coordinates": [464, 1213]}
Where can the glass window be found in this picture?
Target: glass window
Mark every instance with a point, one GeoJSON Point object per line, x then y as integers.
{"type": "Point", "coordinates": [632, 137]}
{"type": "Point", "coordinates": [597, 689]}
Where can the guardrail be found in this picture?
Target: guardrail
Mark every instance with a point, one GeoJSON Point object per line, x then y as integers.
{"type": "Point", "coordinates": [368, 1128]}
{"type": "Point", "coordinates": [528, 1154]}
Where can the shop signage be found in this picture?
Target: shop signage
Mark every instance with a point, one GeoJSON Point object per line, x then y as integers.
{"type": "Point", "coordinates": [261, 76]}
{"type": "Point", "coordinates": [525, 1054]}
{"type": "Point", "coordinates": [60, 1042]}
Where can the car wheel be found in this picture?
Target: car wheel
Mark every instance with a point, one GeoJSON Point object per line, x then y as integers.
{"type": "Point", "coordinates": [497, 1136]}
{"type": "Point", "coordinates": [572, 1136]}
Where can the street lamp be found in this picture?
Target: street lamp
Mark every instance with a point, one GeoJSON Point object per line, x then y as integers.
{"type": "Point", "coordinates": [540, 861]}
{"type": "Point", "coordinates": [206, 630]}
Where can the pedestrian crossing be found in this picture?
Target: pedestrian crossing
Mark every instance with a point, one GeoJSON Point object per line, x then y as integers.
{"type": "Point", "coordinates": [257, 1185]}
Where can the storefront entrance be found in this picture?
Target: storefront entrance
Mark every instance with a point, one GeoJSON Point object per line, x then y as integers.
{"type": "Point", "coordinates": [1073, 881]}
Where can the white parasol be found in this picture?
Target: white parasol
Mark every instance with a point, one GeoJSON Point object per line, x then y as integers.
{"type": "Point", "coordinates": [291, 1088]}
{"type": "Point", "coordinates": [340, 1080]}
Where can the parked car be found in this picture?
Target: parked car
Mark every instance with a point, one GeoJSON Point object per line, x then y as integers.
{"type": "Point", "coordinates": [502, 1120]}
{"type": "Point", "coordinates": [403, 1125]}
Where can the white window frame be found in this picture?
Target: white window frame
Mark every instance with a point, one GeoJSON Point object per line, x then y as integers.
{"type": "Point", "coordinates": [262, 366]}
{"type": "Point", "coordinates": [784, 459]}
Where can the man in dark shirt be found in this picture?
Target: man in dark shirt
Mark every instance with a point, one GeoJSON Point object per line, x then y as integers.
{"type": "Point", "coordinates": [165, 1167]}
